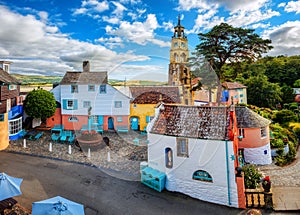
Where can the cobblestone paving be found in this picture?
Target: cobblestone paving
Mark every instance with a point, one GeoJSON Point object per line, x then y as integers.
{"type": "Point", "coordinates": [122, 159]}
{"type": "Point", "coordinates": [288, 176]}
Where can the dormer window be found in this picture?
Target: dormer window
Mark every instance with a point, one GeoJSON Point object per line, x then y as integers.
{"type": "Point", "coordinates": [102, 89]}
{"type": "Point", "coordinates": [74, 88]}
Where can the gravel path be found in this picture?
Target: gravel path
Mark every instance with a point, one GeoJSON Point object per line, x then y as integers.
{"type": "Point", "coordinates": [288, 176]}
{"type": "Point", "coordinates": [122, 159]}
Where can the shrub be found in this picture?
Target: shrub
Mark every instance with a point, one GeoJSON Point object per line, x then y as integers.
{"type": "Point", "coordinates": [284, 116]}
{"type": "Point", "coordinates": [251, 176]}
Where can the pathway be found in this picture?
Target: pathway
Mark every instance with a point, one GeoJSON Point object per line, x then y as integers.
{"type": "Point", "coordinates": [285, 184]}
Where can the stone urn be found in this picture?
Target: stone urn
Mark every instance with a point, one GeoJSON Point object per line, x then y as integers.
{"type": "Point", "coordinates": [90, 140]}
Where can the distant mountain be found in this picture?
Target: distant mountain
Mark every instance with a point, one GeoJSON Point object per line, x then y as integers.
{"type": "Point", "coordinates": [49, 80]}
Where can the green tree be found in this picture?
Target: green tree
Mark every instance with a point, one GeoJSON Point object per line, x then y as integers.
{"type": "Point", "coordinates": [40, 103]}
{"type": "Point", "coordinates": [261, 92]}
{"type": "Point", "coordinates": [284, 116]}
{"type": "Point", "coordinates": [228, 44]}
{"type": "Point", "coordinates": [297, 83]}
{"type": "Point", "coordinates": [288, 95]}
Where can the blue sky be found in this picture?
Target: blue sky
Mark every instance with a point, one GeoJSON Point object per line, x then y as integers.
{"type": "Point", "coordinates": [129, 38]}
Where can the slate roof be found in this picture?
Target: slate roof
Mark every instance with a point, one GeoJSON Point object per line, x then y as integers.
{"type": "Point", "coordinates": [84, 78]}
{"type": "Point", "coordinates": [193, 122]}
{"type": "Point", "coordinates": [155, 94]}
{"type": "Point", "coordinates": [233, 85]}
{"type": "Point", "coordinates": [203, 122]}
{"type": "Point", "coordinates": [247, 118]}
{"type": "Point", "coordinates": [7, 78]}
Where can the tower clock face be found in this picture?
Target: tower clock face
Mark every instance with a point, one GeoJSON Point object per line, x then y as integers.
{"type": "Point", "coordinates": [176, 44]}
{"type": "Point", "coordinates": [183, 45]}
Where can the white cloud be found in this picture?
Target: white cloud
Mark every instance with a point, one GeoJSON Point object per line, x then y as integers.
{"type": "Point", "coordinates": [90, 7]}
{"type": "Point", "coordinates": [243, 13]}
{"type": "Point", "coordinates": [243, 18]}
{"type": "Point", "coordinates": [111, 42]}
{"type": "Point", "coordinates": [119, 8]}
{"type": "Point", "coordinates": [137, 32]}
{"type": "Point", "coordinates": [168, 26]}
{"type": "Point", "coordinates": [35, 49]}
{"type": "Point", "coordinates": [43, 15]}
{"type": "Point", "coordinates": [193, 4]}
{"type": "Point", "coordinates": [293, 6]}
{"type": "Point", "coordinates": [111, 20]}
{"type": "Point", "coordinates": [285, 38]}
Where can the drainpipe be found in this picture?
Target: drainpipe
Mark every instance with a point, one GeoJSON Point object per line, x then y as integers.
{"type": "Point", "coordinates": [227, 168]}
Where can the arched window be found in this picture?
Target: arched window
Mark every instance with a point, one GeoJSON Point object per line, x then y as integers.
{"type": "Point", "coordinates": [202, 175]}
{"type": "Point", "coordinates": [176, 57]}
{"type": "Point", "coordinates": [169, 157]}
{"type": "Point", "coordinates": [73, 119]}
{"type": "Point", "coordinates": [182, 57]}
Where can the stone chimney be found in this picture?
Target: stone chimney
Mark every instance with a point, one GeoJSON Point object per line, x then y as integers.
{"type": "Point", "coordinates": [86, 66]}
{"type": "Point", "coordinates": [5, 65]}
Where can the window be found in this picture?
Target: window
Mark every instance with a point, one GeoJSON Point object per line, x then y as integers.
{"type": "Point", "coordinates": [86, 104]}
{"type": "Point", "coordinates": [12, 87]}
{"type": "Point", "coordinates": [169, 157]}
{"type": "Point", "coordinates": [182, 147]}
{"type": "Point", "coordinates": [91, 88]}
{"type": "Point", "coordinates": [263, 132]}
{"type": "Point", "coordinates": [118, 104]}
{"type": "Point", "coordinates": [70, 104]}
{"type": "Point", "coordinates": [74, 88]}
{"type": "Point", "coordinates": [15, 126]}
{"type": "Point", "coordinates": [1, 117]}
{"type": "Point", "coordinates": [241, 133]}
{"type": "Point", "coordinates": [95, 119]}
{"type": "Point", "coordinates": [102, 89]}
{"type": "Point", "coordinates": [73, 119]}
{"type": "Point", "coordinates": [119, 119]}
{"type": "Point", "coordinates": [176, 44]}
{"type": "Point", "coordinates": [202, 175]}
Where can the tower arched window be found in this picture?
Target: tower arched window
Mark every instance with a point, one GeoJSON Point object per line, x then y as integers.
{"type": "Point", "coordinates": [176, 57]}
{"type": "Point", "coordinates": [182, 57]}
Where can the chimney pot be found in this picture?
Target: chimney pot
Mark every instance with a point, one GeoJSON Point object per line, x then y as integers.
{"type": "Point", "coordinates": [86, 66]}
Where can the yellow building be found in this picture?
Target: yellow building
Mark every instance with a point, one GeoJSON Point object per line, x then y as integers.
{"type": "Point", "coordinates": [144, 100]}
{"type": "Point", "coordinates": [4, 139]}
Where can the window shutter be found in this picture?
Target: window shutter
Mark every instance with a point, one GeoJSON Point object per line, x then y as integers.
{"type": "Point", "coordinates": [65, 104]}
{"type": "Point", "coordinates": [100, 120]}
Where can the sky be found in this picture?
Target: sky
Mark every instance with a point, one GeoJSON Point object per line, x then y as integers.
{"type": "Point", "coordinates": [130, 39]}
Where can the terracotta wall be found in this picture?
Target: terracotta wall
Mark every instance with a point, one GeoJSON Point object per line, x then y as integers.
{"type": "Point", "coordinates": [252, 138]}
{"type": "Point", "coordinates": [82, 120]}
{"type": "Point", "coordinates": [55, 119]}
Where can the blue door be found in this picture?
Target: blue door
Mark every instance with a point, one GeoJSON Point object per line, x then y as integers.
{"type": "Point", "coordinates": [134, 123]}
{"type": "Point", "coordinates": [110, 123]}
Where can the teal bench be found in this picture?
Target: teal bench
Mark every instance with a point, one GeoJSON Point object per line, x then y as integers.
{"type": "Point", "coordinates": [36, 137]}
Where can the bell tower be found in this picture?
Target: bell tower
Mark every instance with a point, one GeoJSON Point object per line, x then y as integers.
{"type": "Point", "coordinates": [179, 73]}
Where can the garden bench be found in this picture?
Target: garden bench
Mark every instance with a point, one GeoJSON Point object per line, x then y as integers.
{"type": "Point", "coordinates": [36, 136]}
{"type": "Point", "coordinates": [55, 137]}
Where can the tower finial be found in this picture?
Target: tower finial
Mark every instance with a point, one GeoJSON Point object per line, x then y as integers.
{"type": "Point", "coordinates": [178, 19]}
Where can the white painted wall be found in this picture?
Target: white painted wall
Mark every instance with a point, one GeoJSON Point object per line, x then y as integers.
{"type": "Point", "coordinates": [56, 92]}
{"type": "Point", "coordinates": [208, 155]}
{"type": "Point", "coordinates": [257, 155]}
{"type": "Point", "coordinates": [102, 104]}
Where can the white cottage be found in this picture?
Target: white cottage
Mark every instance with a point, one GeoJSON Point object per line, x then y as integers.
{"type": "Point", "coordinates": [195, 149]}
{"type": "Point", "coordinates": [88, 93]}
